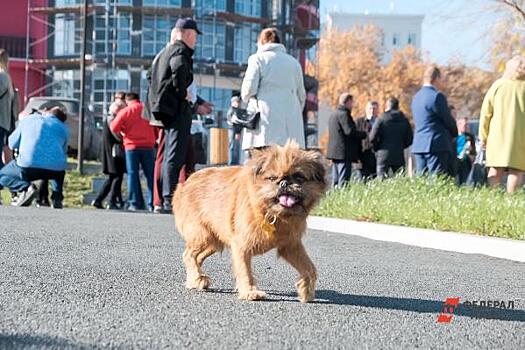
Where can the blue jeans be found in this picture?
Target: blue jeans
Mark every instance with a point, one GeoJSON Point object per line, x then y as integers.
{"type": "Point", "coordinates": [433, 163]}
{"type": "Point", "coordinates": [341, 172]}
{"type": "Point", "coordinates": [235, 150]}
{"type": "Point", "coordinates": [18, 179]}
{"type": "Point", "coordinates": [135, 159]}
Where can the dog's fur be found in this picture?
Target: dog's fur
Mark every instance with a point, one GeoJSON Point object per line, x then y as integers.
{"type": "Point", "coordinates": [220, 207]}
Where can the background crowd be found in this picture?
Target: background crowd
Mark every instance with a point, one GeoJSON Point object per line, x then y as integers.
{"type": "Point", "coordinates": [440, 143]}
{"type": "Point", "coordinates": [151, 139]}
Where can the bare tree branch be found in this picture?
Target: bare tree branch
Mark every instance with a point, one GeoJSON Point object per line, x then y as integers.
{"type": "Point", "coordinates": [517, 6]}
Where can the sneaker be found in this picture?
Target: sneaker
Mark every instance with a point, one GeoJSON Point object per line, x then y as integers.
{"type": "Point", "coordinates": [157, 209]}
{"type": "Point", "coordinates": [131, 207]}
{"type": "Point", "coordinates": [96, 204]}
{"type": "Point", "coordinates": [25, 198]}
{"type": "Point", "coordinates": [57, 204]}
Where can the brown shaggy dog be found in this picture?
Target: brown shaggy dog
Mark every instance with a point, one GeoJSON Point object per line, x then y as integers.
{"type": "Point", "coordinates": [251, 209]}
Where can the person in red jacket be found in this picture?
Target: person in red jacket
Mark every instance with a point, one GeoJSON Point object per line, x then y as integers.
{"type": "Point", "coordinates": [139, 145]}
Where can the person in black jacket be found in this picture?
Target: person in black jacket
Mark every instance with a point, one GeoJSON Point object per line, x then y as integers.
{"type": "Point", "coordinates": [170, 100]}
{"type": "Point", "coordinates": [390, 136]}
{"type": "Point", "coordinates": [113, 159]}
{"type": "Point", "coordinates": [343, 140]}
{"type": "Point", "coordinates": [367, 155]}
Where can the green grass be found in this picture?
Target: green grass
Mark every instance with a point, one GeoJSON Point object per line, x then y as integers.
{"type": "Point", "coordinates": [75, 185]}
{"type": "Point", "coordinates": [432, 203]}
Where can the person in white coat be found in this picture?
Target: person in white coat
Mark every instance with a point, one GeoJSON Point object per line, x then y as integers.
{"type": "Point", "coordinates": [273, 85]}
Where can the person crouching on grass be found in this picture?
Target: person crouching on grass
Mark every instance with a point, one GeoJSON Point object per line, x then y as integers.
{"type": "Point", "coordinates": [41, 140]}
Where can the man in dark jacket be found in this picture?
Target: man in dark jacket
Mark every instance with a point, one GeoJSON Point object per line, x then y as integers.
{"type": "Point", "coordinates": [367, 155]}
{"type": "Point", "coordinates": [435, 127]}
{"type": "Point", "coordinates": [169, 99]}
{"type": "Point", "coordinates": [390, 136]}
{"type": "Point", "coordinates": [343, 140]}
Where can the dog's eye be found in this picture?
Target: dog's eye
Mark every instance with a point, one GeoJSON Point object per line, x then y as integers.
{"type": "Point", "coordinates": [299, 177]}
{"type": "Point", "coordinates": [272, 178]}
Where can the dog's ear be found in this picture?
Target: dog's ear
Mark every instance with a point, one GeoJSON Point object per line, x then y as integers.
{"type": "Point", "coordinates": [260, 158]}
{"type": "Point", "coordinates": [317, 163]}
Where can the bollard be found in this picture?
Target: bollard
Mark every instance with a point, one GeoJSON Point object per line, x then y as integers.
{"type": "Point", "coordinates": [218, 146]}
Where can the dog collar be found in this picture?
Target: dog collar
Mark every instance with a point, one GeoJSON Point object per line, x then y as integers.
{"type": "Point", "coordinates": [268, 224]}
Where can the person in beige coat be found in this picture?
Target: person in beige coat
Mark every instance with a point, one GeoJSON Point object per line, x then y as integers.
{"type": "Point", "coordinates": [8, 108]}
{"type": "Point", "coordinates": [274, 86]}
{"type": "Point", "coordinates": [502, 126]}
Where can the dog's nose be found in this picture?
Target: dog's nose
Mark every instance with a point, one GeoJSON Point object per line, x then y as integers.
{"type": "Point", "coordinates": [283, 184]}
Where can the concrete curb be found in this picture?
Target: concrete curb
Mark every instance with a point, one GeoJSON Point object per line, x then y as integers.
{"type": "Point", "coordinates": [449, 241]}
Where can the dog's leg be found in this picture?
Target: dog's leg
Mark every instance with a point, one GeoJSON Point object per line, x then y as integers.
{"type": "Point", "coordinates": [297, 257]}
{"type": "Point", "coordinates": [195, 277]}
{"type": "Point", "coordinates": [242, 268]}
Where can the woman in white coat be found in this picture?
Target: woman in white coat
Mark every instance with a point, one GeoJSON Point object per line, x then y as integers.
{"type": "Point", "coordinates": [273, 85]}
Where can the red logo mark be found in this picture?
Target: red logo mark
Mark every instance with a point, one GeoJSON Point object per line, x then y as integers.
{"type": "Point", "coordinates": [448, 310]}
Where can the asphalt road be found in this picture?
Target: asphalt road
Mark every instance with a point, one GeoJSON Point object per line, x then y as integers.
{"type": "Point", "coordinates": [94, 279]}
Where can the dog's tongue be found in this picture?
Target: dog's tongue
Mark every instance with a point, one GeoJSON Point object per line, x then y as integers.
{"type": "Point", "coordinates": [287, 201]}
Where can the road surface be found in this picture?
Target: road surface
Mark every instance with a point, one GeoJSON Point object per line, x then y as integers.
{"type": "Point", "coordinates": [80, 279]}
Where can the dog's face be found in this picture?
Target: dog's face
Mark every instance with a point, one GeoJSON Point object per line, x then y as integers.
{"type": "Point", "coordinates": [289, 181]}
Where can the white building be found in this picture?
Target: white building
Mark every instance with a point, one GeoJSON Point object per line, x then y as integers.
{"type": "Point", "coordinates": [398, 30]}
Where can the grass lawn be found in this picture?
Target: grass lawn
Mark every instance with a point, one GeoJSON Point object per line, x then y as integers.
{"type": "Point", "coordinates": [429, 203]}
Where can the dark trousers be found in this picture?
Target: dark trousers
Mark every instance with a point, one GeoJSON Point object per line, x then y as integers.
{"type": "Point", "coordinates": [18, 179]}
{"type": "Point", "coordinates": [136, 159]}
{"type": "Point", "coordinates": [112, 187]}
{"type": "Point", "coordinates": [368, 162]}
{"type": "Point", "coordinates": [383, 170]}
{"type": "Point", "coordinates": [433, 163]}
{"type": "Point", "coordinates": [464, 166]}
{"type": "Point", "coordinates": [175, 151]}
{"type": "Point", "coordinates": [235, 148]}
{"type": "Point", "coordinates": [341, 172]}
{"type": "Point", "coordinates": [157, 173]}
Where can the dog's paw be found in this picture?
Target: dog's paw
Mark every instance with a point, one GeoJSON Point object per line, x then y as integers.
{"type": "Point", "coordinates": [252, 295]}
{"type": "Point", "coordinates": [305, 290]}
{"type": "Point", "coordinates": [200, 283]}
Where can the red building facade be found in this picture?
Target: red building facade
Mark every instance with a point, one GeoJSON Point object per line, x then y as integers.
{"type": "Point", "coordinates": [13, 37]}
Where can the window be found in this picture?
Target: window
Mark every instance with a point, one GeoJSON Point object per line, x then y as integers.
{"type": "Point", "coordinates": [104, 85]}
{"type": "Point", "coordinates": [162, 3]}
{"type": "Point", "coordinates": [102, 34]}
{"type": "Point", "coordinates": [116, 2]}
{"type": "Point", "coordinates": [65, 3]}
{"type": "Point", "coordinates": [248, 7]}
{"type": "Point", "coordinates": [105, 36]}
{"type": "Point", "coordinates": [219, 97]}
{"type": "Point", "coordinates": [124, 33]}
{"type": "Point", "coordinates": [67, 83]}
{"type": "Point", "coordinates": [210, 44]}
{"type": "Point", "coordinates": [207, 6]}
{"type": "Point", "coordinates": [143, 85]}
{"type": "Point", "coordinates": [67, 35]}
{"type": "Point", "coordinates": [245, 42]}
{"type": "Point", "coordinates": [395, 39]}
{"type": "Point", "coordinates": [156, 32]}
{"type": "Point", "coordinates": [412, 39]}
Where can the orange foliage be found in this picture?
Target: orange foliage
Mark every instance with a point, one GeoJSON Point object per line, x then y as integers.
{"type": "Point", "coordinates": [351, 62]}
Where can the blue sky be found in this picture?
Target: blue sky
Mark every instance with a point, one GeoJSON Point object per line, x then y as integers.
{"type": "Point", "coordinates": [452, 29]}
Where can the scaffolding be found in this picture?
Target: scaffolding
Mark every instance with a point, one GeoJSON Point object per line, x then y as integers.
{"type": "Point", "coordinates": [282, 14]}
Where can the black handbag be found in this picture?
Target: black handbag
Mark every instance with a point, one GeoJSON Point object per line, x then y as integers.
{"type": "Point", "coordinates": [117, 151]}
{"type": "Point", "coordinates": [245, 118]}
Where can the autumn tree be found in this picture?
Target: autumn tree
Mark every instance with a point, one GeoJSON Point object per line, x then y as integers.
{"type": "Point", "coordinates": [508, 33]}
{"type": "Point", "coordinates": [351, 61]}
